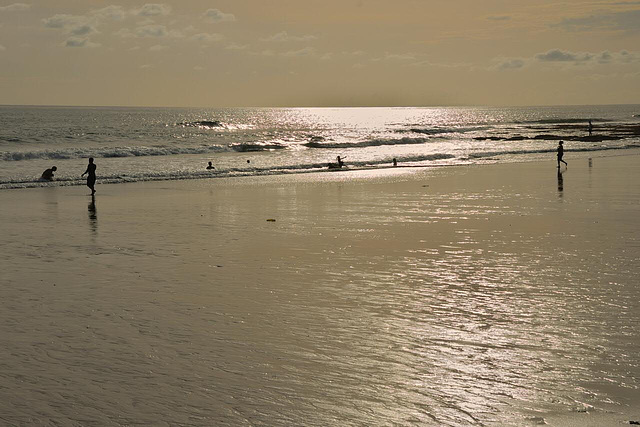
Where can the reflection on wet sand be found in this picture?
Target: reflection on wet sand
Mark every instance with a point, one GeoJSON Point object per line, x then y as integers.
{"type": "Point", "coordinates": [93, 215]}
{"type": "Point", "coordinates": [560, 183]}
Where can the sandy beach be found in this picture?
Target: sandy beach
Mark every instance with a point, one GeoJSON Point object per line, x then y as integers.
{"type": "Point", "coordinates": [502, 294]}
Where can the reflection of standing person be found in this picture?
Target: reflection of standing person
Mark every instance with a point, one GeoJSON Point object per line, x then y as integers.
{"type": "Point", "coordinates": [561, 154]}
{"type": "Point", "coordinates": [93, 214]}
{"type": "Point", "coordinates": [91, 175]}
{"type": "Point", "coordinates": [590, 127]}
{"type": "Point", "coordinates": [560, 182]}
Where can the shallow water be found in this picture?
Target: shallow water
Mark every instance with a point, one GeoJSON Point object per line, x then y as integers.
{"type": "Point", "coordinates": [487, 295]}
{"type": "Point", "coordinates": [146, 144]}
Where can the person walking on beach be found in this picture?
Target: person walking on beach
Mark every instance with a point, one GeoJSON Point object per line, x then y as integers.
{"type": "Point", "coordinates": [560, 154]}
{"type": "Point", "coordinates": [590, 128]}
{"type": "Point", "coordinates": [91, 175]}
{"type": "Point", "coordinates": [48, 174]}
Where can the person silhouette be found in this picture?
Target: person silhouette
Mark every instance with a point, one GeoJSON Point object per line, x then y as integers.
{"type": "Point", "coordinates": [210, 166]}
{"type": "Point", "coordinates": [561, 154]}
{"type": "Point", "coordinates": [91, 175]}
{"type": "Point", "coordinates": [590, 127]}
{"type": "Point", "coordinates": [48, 174]}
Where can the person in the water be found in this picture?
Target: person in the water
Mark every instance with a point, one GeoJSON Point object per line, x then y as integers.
{"type": "Point", "coordinates": [91, 175]}
{"type": "Point", "coordinates": [560, 154]}
{"type": "Point", "coordinates": [48, 174]}
{"type": "Point", "coordinates": [210, 166]}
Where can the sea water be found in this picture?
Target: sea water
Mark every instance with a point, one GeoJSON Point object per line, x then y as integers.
{"type": "Point", "coordinates": [142, 144]}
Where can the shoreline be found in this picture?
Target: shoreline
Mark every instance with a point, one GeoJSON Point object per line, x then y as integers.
{"type": "Point", "coordinates": [490, 159]}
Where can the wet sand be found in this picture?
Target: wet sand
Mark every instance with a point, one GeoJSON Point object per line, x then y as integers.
{"type": "Point", "coordinates": [456, 296]}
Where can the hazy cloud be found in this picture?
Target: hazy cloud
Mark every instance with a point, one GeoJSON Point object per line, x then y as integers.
{"type": "Point", "coordinates": [62, 21]}
{"type": "Point", "coordinates": [216, 15]}
{"type": "Point", "coordinates": [79, 42]}
{"type": "Point", "coordinates": [498, 18]}
{"type": "Point", "coordinates": [152, 9]}
{"type": "Point", "coordinates": [157, 48]}
{"type": "Point", "coordinates": [206, 37]}
{"type": "Point", "coordinates": [307, 51]}
{"type": "Point", "coordinates": [285, 37]}
{"type": "Point", "coordinates": [113, 12]}
{"type": "Point", "coordinates": [511, 64]}
{"type": "Point", "coordinates": [152, 31]}
{"type": "Point", "coordinates": [557, 55]}
{"type": "Point", "coordinates": [16, 7]}
{"type": "Point", "coordinates": [236, 46]}
{"type": "Point", "coordinates": [620, 21]}
{"type": "Point", "coordinates": [2, 48]}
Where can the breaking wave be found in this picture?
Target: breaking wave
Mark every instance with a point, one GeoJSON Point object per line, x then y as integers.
{"type": "Point", "coordinates": [79, 153]}
{"type": "Point", "coordinates": [368, 143]}
{"type": "Point", "coordinates": [220, 173]}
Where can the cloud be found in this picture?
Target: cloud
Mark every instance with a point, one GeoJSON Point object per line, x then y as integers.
{"type": "Point", "coordinates": [283, 36]}
{"type": "Point", "coordinates": [2, 48]}
{"type": "Point", "coordinates": [511, 64]}
{"type": "Point", "coordinates": [79, 42]}
{"type": "Point", "coordinates": [16, 7]}
{"type": "Point", "coordinates": [498, 18]}
{"type": "Point", "coordinates": [152, 31]}
{"type": "Point", "coordinates": [617, 21]}
{"type": "Point", "coordinates": [216, 15]}
{"type": "Point", "coordinates": [112, 12]}
{"type": "Point", "coordinates": [82, 30]}
{"type": "Point", "coordinates": [152, 9]}
{"type": "Point", "coordinates": [557, 55]}
{"type": "Point", "coordinates": [236, 46]}
{"type": "Point", "coordinates": [149, 31]}
{"type": "Point", "coordinates": [307, 51]}
{"type": "Point", "coordinates": [206, 37]}
{"type": "Point", "coordinates": [62, 21]}
{"type": "Point", "coordinates": [398, 57]}
{"type": "Point", "coordinates": [157, 48]}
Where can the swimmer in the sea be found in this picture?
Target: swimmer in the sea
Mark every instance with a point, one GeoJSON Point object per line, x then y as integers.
{"type": "Point", "coordinates": [210, 166]}
{"type": "Point", "coordinates": [48, 174]}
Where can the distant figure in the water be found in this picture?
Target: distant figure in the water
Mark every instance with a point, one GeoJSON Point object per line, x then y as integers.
{"type": "Point", "coordinates": [560, 154]}
{"type": "Point", "coordinates": [210, 166]}
{"type": "Point", "coordinates": [91, 175]}
{"type": "Point", "coordinates": [590, 128]}
{"type": "Point", "coordinates": [395, 162]}
{"type": "Point", "coordinates": [248, 161]}
{"type": "Point", "coordinates": [48, 174]}
{"type": "Point", "coordinates": [337, 165]}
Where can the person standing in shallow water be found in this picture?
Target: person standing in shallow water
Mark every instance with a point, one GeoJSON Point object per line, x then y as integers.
{"type": "Point", "coordinates": [91, 175]}
{"type": "Point", "coordinates": [561, 154]}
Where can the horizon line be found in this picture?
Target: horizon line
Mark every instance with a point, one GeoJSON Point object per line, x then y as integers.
{"type": "Point", "coordinates": [319, 106]}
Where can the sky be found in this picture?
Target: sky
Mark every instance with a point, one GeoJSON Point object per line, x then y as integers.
{"type": "Point", "coordinates": [230, 53]}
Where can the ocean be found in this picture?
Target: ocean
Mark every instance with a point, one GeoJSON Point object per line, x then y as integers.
{"type": "Point", "coordinates": [145, 144]}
